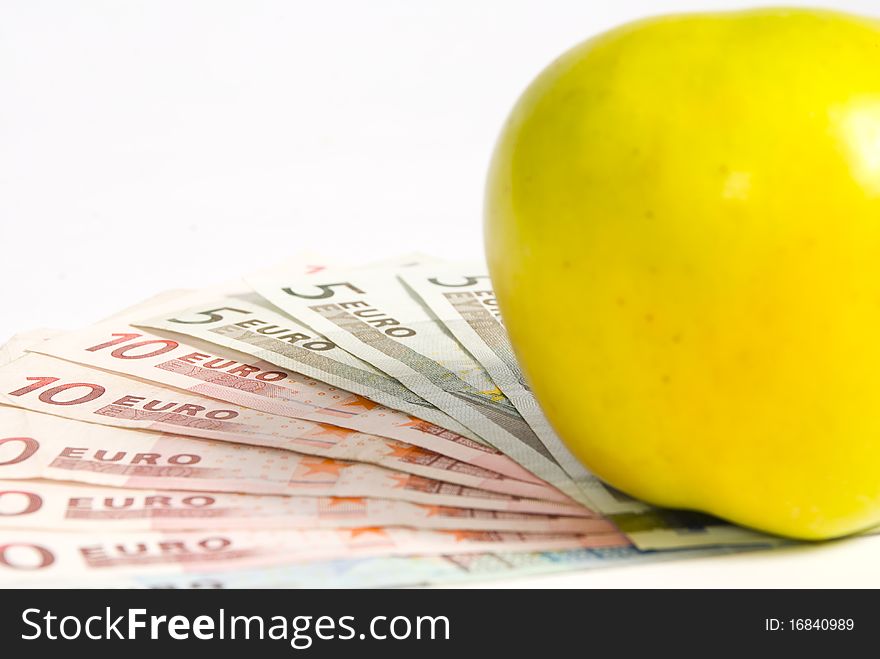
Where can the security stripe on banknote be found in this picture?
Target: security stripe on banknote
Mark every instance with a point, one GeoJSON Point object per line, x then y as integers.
{"type": "Point", "coordinates": [488, 325]}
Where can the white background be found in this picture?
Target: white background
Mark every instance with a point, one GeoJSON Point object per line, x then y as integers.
{"type": "Point", "coordinates": [151, 145]}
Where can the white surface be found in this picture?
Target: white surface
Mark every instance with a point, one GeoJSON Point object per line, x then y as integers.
{"type": "Point", "coordinates": [160, 144]}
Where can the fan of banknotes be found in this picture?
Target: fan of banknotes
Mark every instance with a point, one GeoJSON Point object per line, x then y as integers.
{"type": "Point", "coordinates": [309, 425]}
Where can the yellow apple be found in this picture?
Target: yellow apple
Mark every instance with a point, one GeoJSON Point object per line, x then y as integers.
{"type": "Point", "coordinates": [683, 231]}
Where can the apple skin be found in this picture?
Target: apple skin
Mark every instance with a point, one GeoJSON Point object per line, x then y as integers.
{"type": "Point", "coordinates": [682, 226]}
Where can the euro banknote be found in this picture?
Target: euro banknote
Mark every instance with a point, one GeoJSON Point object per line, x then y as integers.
{"type": "Point", "coordinates": [203, 369]}
{"type": "Point", "coordinates": [40, 504]}
{"type": "Point", "coordinates": [660, 529]}
{"type": "Point", "coordinates": [372, 315]}
{"type": "Point", "coordinates": [36, 445]}
{"type": "Point", "coordinates": [247, 323]}
{"type": "Point", "coordinates": [54, 386]}
{"type": "Point", "coordinates": [377, 572]}
{"type": "Point", "coordinates": [56, 556]}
